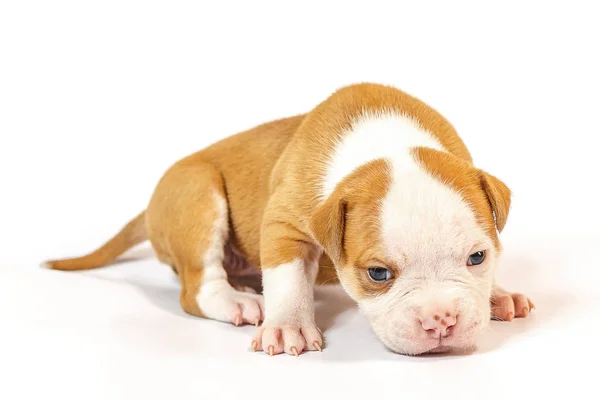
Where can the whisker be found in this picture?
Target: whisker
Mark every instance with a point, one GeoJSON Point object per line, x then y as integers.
{"type": "Point", "coordinates": [328, 280]}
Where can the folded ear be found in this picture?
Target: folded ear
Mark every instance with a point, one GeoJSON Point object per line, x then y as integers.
{"type": "Point", "coordinates": [327, 225]}
{"type": "Point", "coordinates": [499, 196]}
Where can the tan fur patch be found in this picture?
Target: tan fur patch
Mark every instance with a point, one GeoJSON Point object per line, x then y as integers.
{"type": "Point", "coordinates": [347, 225]}
{"type": "Point", "coordinates": [467, 181]}
{"type": "Point", "coordinates": [245, 161]}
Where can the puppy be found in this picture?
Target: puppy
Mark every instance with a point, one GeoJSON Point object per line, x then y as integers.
{"type": "Point", "coordinates": [372, 189]}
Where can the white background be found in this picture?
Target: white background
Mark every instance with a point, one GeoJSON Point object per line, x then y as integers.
{"type": "Point", "coordinates": [98, 98]}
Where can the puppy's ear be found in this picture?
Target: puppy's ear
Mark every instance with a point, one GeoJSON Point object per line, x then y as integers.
{"type": "Point", "coordinates": [328, 225]}
{"type": "Point", "coordinates": [499, 196]}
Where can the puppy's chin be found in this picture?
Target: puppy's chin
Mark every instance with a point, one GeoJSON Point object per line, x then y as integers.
{"type": "Point", "coordinates": [420, 349]}
{"type": "Point", "coordinates": [439, 349]}
{"type": "Point", "coordinates": [417, 348]}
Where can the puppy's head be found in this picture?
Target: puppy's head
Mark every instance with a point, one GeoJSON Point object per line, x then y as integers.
{"type": "Point", "coordinates": [416, 247]}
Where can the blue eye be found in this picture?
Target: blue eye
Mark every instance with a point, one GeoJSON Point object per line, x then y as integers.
{"type": "Point", "coordinates": [379, 274]}
{"type": "Point", "coordinates": [476, 258]}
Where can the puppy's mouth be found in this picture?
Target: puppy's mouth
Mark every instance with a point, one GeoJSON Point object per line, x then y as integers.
{"type": "Point", "coordinates": [447, 345]}
{"type": "Point", "coordinates": [439, 349]}
{"type": "Point", "coordinates": [436, 348]}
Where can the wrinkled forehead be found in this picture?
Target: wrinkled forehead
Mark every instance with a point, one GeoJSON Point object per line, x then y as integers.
{"type": "Point", "coordinates": [422, 217]}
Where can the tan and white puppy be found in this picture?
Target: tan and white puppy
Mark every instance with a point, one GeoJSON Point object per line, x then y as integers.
{"type": "Point", "coordinates": [372, 188]}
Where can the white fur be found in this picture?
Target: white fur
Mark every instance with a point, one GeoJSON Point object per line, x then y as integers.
{"type": "Point", "coordinates": [289, 324]}
{"type": "Point", "coordinates": [419, 211]}
{"type": "Point", "coordinates": [427, 229]}
{"type": "Point", "coordinates": [288, 291]}
{"type": "Point", "coordinates": [217, 299]}
{"type": "Point", "coordinates": [371, 137]}
{"type": "Point", "coordinates": [213, 257]}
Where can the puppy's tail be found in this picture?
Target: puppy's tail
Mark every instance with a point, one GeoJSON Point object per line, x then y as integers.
{"type": "Point", "coordinates": [132, 234]}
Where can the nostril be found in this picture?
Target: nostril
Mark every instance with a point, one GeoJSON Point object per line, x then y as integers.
{"type": "Point", "coordinates": [434, 333]}
{"type": "Point", "coordinates": [448, 331]}
{"type": "Point", "coordinates": [452, 320]}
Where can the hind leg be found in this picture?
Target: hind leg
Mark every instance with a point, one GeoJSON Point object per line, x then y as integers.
{"type": "Point", "coordinates": [188, 222]}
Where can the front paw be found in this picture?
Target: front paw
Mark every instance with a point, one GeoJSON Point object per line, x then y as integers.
{"type": "Point", "coordinates": [291, 338]}
{"type": "Point", "coordinates": [506, 306]}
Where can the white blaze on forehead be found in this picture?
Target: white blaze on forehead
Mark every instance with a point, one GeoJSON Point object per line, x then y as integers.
{"type": "Point", "coordinates": [423, 216]}
{"type": "Point", "coordinates": [371, 137]}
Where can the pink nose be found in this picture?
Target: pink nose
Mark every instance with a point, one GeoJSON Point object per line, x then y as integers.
{"type": "Point", "coordinates": [438, 324]}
